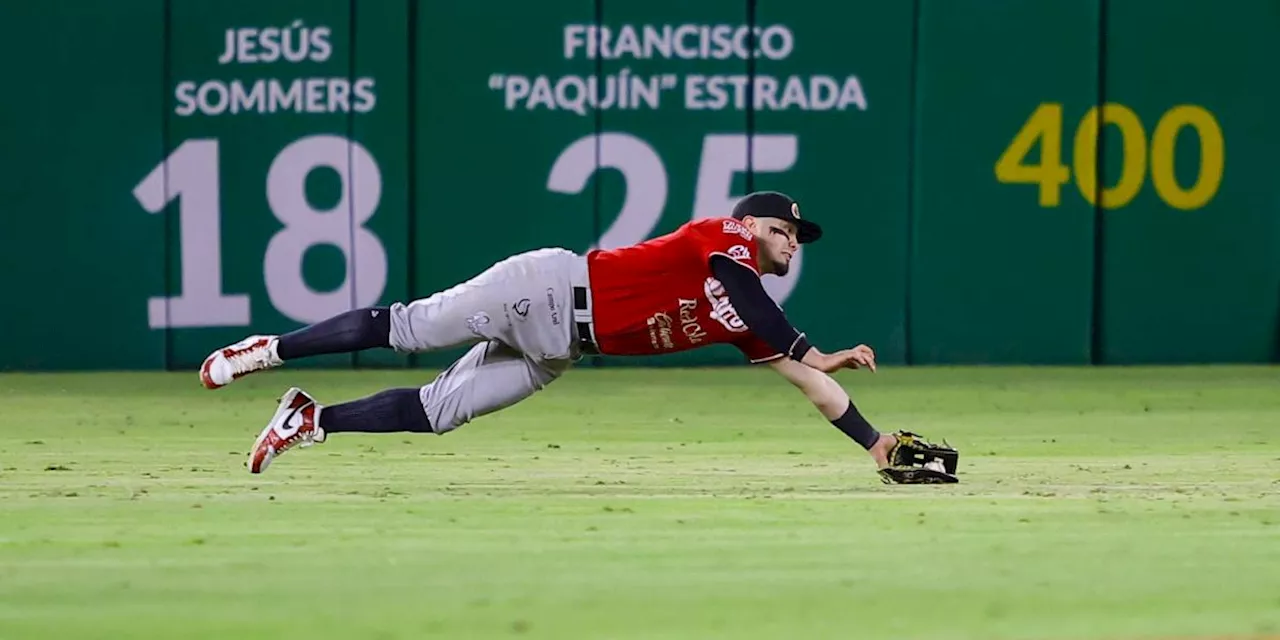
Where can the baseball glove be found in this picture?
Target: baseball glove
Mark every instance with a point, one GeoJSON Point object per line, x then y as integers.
{"type": "Point", "coordinates": [914, 460]}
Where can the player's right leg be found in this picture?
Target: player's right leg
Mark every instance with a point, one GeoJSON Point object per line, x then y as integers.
{"type": "Point", "coordinates": [347, 332]}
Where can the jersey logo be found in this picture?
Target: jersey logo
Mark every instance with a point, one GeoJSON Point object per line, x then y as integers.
{"type": "Point", "coordinates": [660, 324]}
{"type": "Point", "coordinates": [733, 226]}
{"type": "Point", "coordinates": [739, 252]}
{"type": "Point", "coordinates": [477, 320]}
{"type": "Point", "coordinates": [721, 309]}
{"type": "Point", "coordinates": [660, 331]}
{"type": "Point", "coordinates": [689, 321]}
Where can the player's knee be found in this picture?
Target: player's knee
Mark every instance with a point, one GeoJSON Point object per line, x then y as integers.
{"type": "Point", "coordinates": [400, 328]}
{"type": "Point", "coordinates": [453, 422]}
{"type": "Point", "coordinates": [444, 419]}
{"type": "Point", "coordinates": [446, 407]}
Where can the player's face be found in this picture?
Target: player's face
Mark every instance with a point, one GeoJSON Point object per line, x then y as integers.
{"type": "Point", "coordinates": [778, 243]}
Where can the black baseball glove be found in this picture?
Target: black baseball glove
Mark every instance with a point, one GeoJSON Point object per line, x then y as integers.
{"type": "Point", "coordinates": [914, 460]}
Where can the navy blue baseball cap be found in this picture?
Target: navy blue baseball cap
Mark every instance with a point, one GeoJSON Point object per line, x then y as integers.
{"type": "Point", "coordinates": [772, 204]}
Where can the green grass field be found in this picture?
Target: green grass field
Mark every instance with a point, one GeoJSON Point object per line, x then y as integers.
{"type": "Point", "coordinates": [1099, 504]}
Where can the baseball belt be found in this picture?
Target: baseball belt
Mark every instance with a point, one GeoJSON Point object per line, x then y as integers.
{"type": "Point", "coordinates": [582, 319]}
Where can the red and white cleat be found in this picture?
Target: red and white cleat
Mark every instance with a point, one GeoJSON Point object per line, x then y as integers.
{"type": "Point", "coordinates": [294, 424]}
{"type": "Point", "coordinates": [229, 363]}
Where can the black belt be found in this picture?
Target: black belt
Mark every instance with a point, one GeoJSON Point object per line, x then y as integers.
{"type": "Point", "coordinates": [586, 337]}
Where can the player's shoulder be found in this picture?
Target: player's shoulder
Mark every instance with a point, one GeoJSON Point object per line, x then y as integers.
{"type": "Point", "coordinates": [719, 226]}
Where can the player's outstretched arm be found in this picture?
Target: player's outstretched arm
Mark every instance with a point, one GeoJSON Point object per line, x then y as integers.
{"type": "Point", "coordinates": [834, 404]}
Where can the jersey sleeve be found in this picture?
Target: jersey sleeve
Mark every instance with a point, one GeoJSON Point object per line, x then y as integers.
{"type": "Point", "coordinates": [756, 350]}
{"type": "Point", "coordinates": [730, 238]}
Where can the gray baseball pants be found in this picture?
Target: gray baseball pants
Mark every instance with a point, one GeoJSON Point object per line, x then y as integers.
{"type": "Point", "coordinates": [520, 317]}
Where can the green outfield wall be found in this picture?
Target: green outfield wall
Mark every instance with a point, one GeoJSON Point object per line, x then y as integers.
{"type": "Point", "coordinates": [1051, 182]}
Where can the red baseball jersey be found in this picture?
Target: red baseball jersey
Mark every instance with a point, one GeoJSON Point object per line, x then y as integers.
{"type": "Point", "coordinates": [660, 296]}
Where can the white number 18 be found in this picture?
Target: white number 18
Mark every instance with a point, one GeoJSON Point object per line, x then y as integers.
{"type": "Point", "coordinates": [190, 175]}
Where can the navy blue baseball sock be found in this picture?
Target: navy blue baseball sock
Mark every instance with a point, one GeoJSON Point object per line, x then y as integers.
{"type": "Point", "coordinates": [354, 330]}
{"type": "Point", "coordinates": [856, 427]}
{"type": "Point", "coordinates": [384, 412]}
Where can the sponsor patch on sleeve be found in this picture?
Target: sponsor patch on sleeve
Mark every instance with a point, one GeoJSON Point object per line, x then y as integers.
{"type": "Point", "coordinates": [735, 227]}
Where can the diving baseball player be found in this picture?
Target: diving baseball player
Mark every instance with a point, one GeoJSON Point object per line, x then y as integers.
{"type": "Point", "coordinates": [531, 316]}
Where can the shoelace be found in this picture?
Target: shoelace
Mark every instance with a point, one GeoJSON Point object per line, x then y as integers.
{"type": "Point", "coordinates": [303, 437]}
{"type": "Point", "coordinates": [299, 439]}
{"type": "Point", "coordinates": [249, 360]}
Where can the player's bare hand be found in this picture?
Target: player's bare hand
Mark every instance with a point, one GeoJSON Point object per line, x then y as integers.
{"type": "Point", "coordinates": [863, 356]}
{"type": "Point", "coordinates": [855, 358]}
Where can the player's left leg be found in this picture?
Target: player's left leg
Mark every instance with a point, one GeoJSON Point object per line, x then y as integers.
{"type": "Point", "coordinates": [489, 377]}
{"type": "Point", "coordinates": [520, 300]}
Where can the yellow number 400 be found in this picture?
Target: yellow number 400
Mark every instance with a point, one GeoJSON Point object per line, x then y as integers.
{"type": "Point", "coordinates": [1045, 126]}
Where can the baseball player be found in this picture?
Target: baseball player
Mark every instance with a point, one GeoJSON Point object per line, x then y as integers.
{"type": "Point", "coordinates": [530, 317]}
